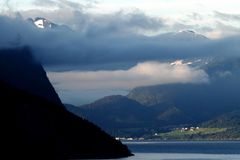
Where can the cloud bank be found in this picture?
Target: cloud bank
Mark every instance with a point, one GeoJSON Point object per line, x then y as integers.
{"type": "Point", "coordinates": [82, 50]}
{"type": "Point", "coordinates": [143, 74]}
{"type": "Point", "coordinates": [76, 86]}
{"type": "Point", "coordinates": [112, 53]}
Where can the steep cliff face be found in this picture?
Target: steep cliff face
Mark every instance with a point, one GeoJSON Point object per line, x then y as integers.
{"type": "Point", "coordinates": [19, 68]}
{"type": "Point", "coordinates": [42, 127]}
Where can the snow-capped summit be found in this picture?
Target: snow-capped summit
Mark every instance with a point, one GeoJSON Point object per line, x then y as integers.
{"type": "Point", "coordinates": [193, 62]}
{"type": "Point", "coordinates": [43, 23]}
{"type": "Point", "coordinates": [191, 33]}
{"type": "Point", "coordinates": [183, 36]}
{"type": "Point", "coordinates": [180, 62]}
{"type": "Point", "coordinates": [188, 31]}
{"type": "Point", "coordinates": [177, 62]}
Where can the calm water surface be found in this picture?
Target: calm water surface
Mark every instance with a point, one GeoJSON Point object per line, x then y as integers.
{"type": "Point", "coordinates": [157, 150]}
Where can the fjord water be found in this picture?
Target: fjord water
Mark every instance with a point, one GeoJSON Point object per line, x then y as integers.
{"type": "Point", "coordinates": [187, 150]}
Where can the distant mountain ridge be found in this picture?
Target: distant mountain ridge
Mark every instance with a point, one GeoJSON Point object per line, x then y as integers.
{"type": "Point", "coordinates": [43, 23]}
{"type": "Point", "coordinates": [172, 105]}
{"type": "Point", "coordinates": [198, 101]}
{"type": "Point", "coordinates": [227, 120]}
{"type": "Point", "coordinates": [114, 113]}
{"type": "Point", "coordinates": [183, 35]}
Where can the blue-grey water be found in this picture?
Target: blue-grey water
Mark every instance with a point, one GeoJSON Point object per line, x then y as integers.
{"type": "Point", "coordinates": [158, 150]}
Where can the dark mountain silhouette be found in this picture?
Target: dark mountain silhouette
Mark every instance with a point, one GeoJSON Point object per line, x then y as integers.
{"type": "Point", "coordinates": [115, 113]}
{"type": "Point", "coordinates": [43, 128]}
{"type": "Point", "coordinates": [19, 68]}
{"type": "Point", "coordinates": [199, 102]}
{"type": "Point", "coordinates": [169, 106]}
{"type": "Point", "coordinates": [230, 121]}
{"type": "Point", "coordinates": [121, 116]}
{"type": "Point", "coordinates": [227, 120]}
{"type": "Point", "coordinates": [223, 127]}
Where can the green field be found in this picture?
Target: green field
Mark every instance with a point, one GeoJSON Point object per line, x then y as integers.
{"type": "Point", "coordinates": [197, 134]}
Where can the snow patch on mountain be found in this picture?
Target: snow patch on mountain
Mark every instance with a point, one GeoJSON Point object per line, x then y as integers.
{"type": "Point", "coordinates": [42, 23]}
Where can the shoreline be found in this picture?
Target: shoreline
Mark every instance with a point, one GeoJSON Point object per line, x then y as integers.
{"type": "Point", "coordinates": [175, 141]}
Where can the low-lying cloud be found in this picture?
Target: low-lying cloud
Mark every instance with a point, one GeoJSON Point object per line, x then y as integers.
{"type": "Point", "coordinates": [81, 87]}
{"type": "Point", "coordinates": [143, 74]}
